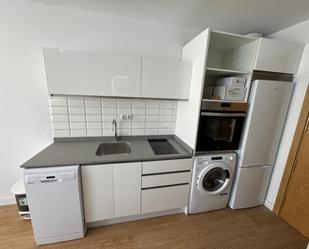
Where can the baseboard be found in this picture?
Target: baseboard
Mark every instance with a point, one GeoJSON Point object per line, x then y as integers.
{"type": "Point", "coordinates": [134, 217]}
{"type": "Point", "coordinates": [269, 205]}
{"type": "Point", "coordinates": [7, 201]}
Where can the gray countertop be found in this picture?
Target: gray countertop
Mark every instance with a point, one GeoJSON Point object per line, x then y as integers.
{"type": "Point", "coordinates": [81, 151]}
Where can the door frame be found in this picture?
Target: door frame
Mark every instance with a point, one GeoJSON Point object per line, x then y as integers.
{"type": "Point", "coordinates": [292, 154]}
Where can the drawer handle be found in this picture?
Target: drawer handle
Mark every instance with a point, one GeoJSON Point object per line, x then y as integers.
{"type": "Point", "coordinates": [166, 186]}
{"type": "Point", "coordinates": [165, 173]}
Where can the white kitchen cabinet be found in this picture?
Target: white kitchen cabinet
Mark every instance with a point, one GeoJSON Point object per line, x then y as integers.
{"type": "Point", "coordinates": [127, 189]}
{"type": "Point", "coordinates": [165, 184]}
{"type": "Point", "coordinates": [278, 56]}
{"type": "Point", "coordinates": [92, 73]}
{"type": "Point", "coordinates": [163, 78]}
{"type": "Point", "coordinates": [159, 199]}
{"type": "Point", "coordinates": [98, 194]}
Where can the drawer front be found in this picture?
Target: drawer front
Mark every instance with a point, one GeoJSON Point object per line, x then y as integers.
{"type": "Point", "coordinates": [166, 166]}
{"type": "Point", "coordinates": [159, 199]}
{"type": "Point", "coordinates": [149, 181]}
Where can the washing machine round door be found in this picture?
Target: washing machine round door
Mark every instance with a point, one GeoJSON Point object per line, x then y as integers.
{"type": "Point", "coordinates": [214, 179]}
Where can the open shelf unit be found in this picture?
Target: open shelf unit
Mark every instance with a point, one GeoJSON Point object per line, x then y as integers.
{"type": "Point", "coordinates": [229, 55]}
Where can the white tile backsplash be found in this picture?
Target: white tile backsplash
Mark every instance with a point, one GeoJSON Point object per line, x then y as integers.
{"type": "Point", "coordinates": [86, 116]}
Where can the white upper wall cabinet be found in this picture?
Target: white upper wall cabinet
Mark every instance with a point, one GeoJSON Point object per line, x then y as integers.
{"type": "Point", "coordinates": [92, 73]}
{"type": "Point", "coordinates": [162, 78]}
{"type": "Point", "coordinates": [278, 56]}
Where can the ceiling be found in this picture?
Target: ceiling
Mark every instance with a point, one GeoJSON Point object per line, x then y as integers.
{"type": "Point", "coordinates": [238, 16]}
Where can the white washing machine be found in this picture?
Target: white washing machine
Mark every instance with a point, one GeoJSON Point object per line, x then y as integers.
{"type": "Point", "coordinates": [211, 183]}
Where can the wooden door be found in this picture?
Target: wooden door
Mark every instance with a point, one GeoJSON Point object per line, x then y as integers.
{"type": "Point", "coordinates": [295, 205]}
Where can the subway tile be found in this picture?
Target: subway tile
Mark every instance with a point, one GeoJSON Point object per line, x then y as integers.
{"type": "Point", "coordinates": [93, 110]}
{"type": "Point", "coordinates": [138, 104]}
{"type": "Point", "coordinates": [174, 105]}
{"type": "Point", "coordinates": [94, 133]}
{"type": "Point", "coordinates": [138, 125]}
{"type": "Point", "coordinates": [60, 118]}
{"type": "Point", "coordinates": [76, 110]}
{"type": "Point", "coordinates": [152, 125]}
{"type": "Point", "coordinates": [123, 103]}
{"type": "Point", "coordinates": [165, 118]}
{"type": "Point", "coordinates": [107, 125]}
{"type": "Point", "coordinates": [75, 101]}
{"type": "Point", "coordinates": [109, 111]}
{"type": "Point", "coordinates": [124, 132]}
{"type": "Point", "coordinates": [58, 101]}
{"type": "Point", "coordinates": [152, 118]}
{"type": "Point", "coordinates": [109, 103]}
{"type": "Point", "coordinates": [124, 111]}
{"type": "Point", "coordinates": [166, 125]}
{"type": "Point", "coordinates": [139, 118]}
{"type": "Point", "coordinates": [93, 102]}
{"type": "Point", "coordinates": [152, 132]}
{"type": "Point", "coordinates": [165, 132]}
{"type": "Point", "coordinates": [94, 125]}
{"type": "Point", "coordinates": [78, 133]}
{"type": "Point", "coordinates": [108, 133]}
{"type": "Point", "coordinates": [108, 118]}
{"type": "Point", "coordinates": [124, 125]}
{"type": "Point", "coordinates": [174, 118]}
{"type": "Point", "coordinates": [93, 118]}
{"type": "Point", "coordinates": [139, 111]}
{"type": "Point", "coordinates": [138, 132]}
{"type": "Point", "coordinates": [166, 112]}
{"type": "Point", "coordinates": [152, 104]}
{"type": "Point", "coordinates": [59, 110]}
{"type": "Point", "coordinates": [174, 112]}
{"type": "Point", "coordinates": [61, 133]}
{"type": "Point", "coordinates": [77, 118]}
{"type": "Point", "coordinates": [61, 125]}
{"type": "Point", "coordinates": [77, 125]}
{"type": "Point", "coordinates": [152, 111]}
{"type": "Point", "coordinates": [166, 104]}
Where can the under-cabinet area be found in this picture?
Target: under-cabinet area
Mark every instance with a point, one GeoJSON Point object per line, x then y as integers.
{"type": "Point", "coordinates": [127, 189]}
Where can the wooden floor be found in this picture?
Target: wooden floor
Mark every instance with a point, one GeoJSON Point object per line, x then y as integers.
{"type": "Point", "coordinates": [255, 228]}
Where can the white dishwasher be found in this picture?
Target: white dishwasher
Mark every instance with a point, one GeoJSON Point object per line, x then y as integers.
{"type": "Point", "coordinates": [55, 201]}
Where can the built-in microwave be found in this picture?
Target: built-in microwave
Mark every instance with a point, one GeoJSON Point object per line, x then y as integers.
{"type": "Point", "coordinates": [220, 126]}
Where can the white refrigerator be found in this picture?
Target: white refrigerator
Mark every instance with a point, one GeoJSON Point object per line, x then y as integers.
{"type": "Point", "coordinates": [268, 105]}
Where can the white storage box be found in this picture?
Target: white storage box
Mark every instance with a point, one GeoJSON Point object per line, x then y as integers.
{"type": "Point", "coordinates": [231, 93]}
{"type": "Point", "coordinates": [232, 81]}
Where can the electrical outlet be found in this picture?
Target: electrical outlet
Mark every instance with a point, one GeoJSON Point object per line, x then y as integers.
{"type": "Point", "coordinates": [123, 116]}
{"type": "Point", "coordinates": [130, 117]}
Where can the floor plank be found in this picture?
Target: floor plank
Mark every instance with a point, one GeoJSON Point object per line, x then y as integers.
{"type": "Point", "coordinates": [253, 228]}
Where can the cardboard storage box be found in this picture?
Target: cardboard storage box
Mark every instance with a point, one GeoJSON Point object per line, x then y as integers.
{"type": "Point", "coordinates": [231, 93]}
{"type": "Point", "coordinates": [232, 81]}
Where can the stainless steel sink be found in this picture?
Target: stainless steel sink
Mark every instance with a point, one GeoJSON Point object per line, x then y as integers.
{"type": "Point", "coordinates": [110, 148]}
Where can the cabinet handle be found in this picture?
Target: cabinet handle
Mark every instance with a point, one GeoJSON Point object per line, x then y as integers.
{"type": "Point", "coordinates": [307, 123]}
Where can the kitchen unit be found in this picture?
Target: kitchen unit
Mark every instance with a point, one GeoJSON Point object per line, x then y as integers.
{"type": "Point", "coordinates": [147, 182]}
{"type": "Point", "coordinates": [84, 73]}
{"type": "Point", "coordinates": [152, 175]}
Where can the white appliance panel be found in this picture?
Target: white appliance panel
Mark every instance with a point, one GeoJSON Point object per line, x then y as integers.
{"type": "Point", "coordinates": [269, 104]}
{"type": "Point", "coordinates": [250, 186]}
{"type": "Point", "coordinates": [54, 199]}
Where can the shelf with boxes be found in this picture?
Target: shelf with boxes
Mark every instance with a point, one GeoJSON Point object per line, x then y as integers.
{"type": "Point", "coordinates": [230, 62]}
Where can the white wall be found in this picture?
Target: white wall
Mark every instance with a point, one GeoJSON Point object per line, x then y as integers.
{"type": "Point", "coordinates": [25, 27]}
{"type": "Point", "coordinates": [298, 33]}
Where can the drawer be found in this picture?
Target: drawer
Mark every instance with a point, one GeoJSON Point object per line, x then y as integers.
{"type": "Point", "coordinates": [159, 199]}
{"type": "Point", "coordinates": [165, 179]}
{"type": "Point", "coordinates": [166, 166]}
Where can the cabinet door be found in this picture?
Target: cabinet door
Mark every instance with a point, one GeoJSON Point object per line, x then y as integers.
{"type": "Point", "coordinates": [165, 78]}
{"type": "Point", "coordinates": [127, 189]}
{"type": "Point", "coordinates": [92, 73]}
{"type": "Point", "coordinates": [97, 182]}
{"type": "Point", "coordinates": [278, 56]}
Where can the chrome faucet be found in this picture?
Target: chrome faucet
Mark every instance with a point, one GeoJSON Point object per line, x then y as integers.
{"type": "Point", "coordinates": [114, 129]}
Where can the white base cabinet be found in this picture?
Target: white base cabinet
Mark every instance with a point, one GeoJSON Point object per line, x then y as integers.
{"type": "Point", "coordinates": [98, 192]}
{"type": "Point", "coordinates": [127, 189]}
{"type": "Point", "coordinates": [111, 190]}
